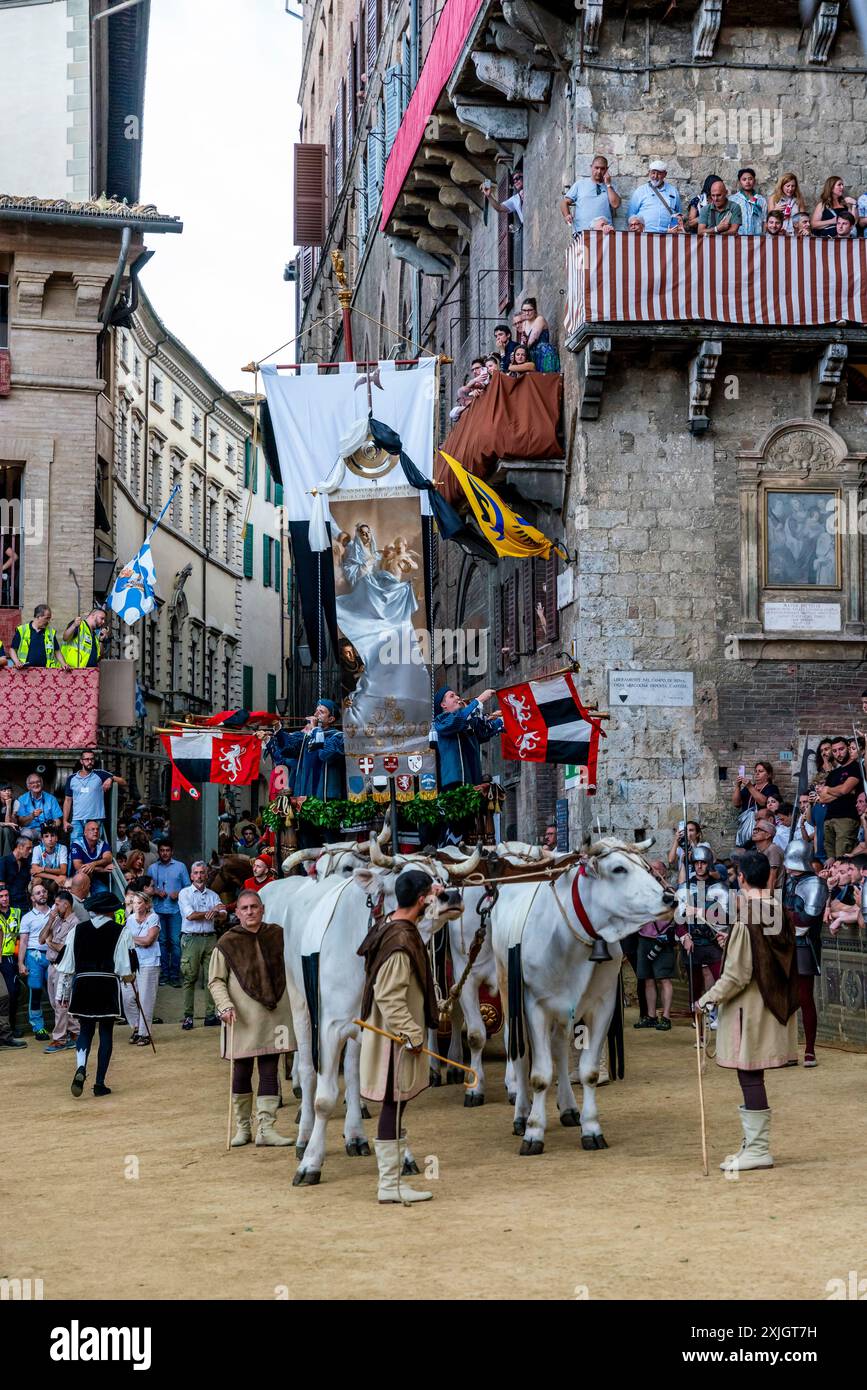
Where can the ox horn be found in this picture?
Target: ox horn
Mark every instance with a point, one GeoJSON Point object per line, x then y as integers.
{"type": "Point", "coordinates": [468, 866]}
{"type": "Point", "coordinates": [382, 861]}
{"type": "Point", "coordinates": [299, 856]}
{"type": "Point", "coordinates": [645, 844]}
{"type": "Point", "coordinates": [385, 833]}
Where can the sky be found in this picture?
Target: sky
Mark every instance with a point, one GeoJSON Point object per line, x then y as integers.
{"type": "Point", "coordinates": [220, 121]}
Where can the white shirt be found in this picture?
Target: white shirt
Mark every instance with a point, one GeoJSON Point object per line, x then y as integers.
{"type": "Point", "coordinates": [514, 204]}
{"type": "Point", "coordinates": [31, 925]}
{"type": "Point", "coordinates": [147, 955]}
{"type": "Point", "coordinates": [194, 899]}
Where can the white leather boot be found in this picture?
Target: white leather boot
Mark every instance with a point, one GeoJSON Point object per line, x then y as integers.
{"type": "Point", "coordinates": [242, 1109]}
{"type": "Point", "coordinates": [754, 1149]}
{"type": "Point", "coordinates": [266, 1114]}
{"type": "Point", "coordinates": [388, 1159]}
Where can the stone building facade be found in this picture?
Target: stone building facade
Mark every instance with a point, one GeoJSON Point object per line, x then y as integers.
{"type": "Point", "coordinates": [176, 428]}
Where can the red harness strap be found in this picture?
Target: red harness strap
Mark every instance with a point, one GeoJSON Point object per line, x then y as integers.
{"type": "Point", "coordinates": [580, 910]}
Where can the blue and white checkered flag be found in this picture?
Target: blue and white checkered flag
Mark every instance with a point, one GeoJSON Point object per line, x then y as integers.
{"type": "Point", "coordinates": [134, 590]}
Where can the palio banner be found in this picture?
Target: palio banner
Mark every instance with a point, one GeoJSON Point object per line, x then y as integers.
{"type": "Point", "coordinates": [546, 722]}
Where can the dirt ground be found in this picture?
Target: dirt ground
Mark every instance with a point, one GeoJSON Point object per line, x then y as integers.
{"type": "Point", "coordinates": [138, 1197]}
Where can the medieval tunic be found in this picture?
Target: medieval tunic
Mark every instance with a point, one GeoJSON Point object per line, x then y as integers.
{"type": "Point", "coordinates": [399, 996]}
{"type": "Point", "coordinates": [90, 970]}
{"type": "Point", "coordinates": [749, 1036]}
{"type": "Point", "coordinates": [258, 1029]}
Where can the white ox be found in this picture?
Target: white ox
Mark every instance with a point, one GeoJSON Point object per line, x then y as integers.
{"type": "Point", "coordinates": [303, 907]}
{"type": "Point", "coordinates": [483, 972]}
{"type": "Point", "coordinates": [561, 983]}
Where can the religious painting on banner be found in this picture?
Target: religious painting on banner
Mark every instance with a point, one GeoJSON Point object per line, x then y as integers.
{"type": "Point", "coordinates": [382, 622]}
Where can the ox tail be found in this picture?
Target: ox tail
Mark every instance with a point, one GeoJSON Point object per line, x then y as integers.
{"type": "Point", "coordinates": [515, 977]}
{"type": "Point", "coordinates": [616, 1047]}
{"type": "Point", "coordinates": [310, 972]}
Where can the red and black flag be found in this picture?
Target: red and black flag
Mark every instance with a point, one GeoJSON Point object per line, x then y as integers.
{"type": "Point", "coordinates": [545, 722]}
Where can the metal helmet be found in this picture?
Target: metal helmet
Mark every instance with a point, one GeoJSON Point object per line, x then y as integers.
{"type": "Point", "coordinates": [702, 854]}
{"type": "Point", "coordinates": [798, 856]}
{"type": "Point", "coordinates": [813, 893]}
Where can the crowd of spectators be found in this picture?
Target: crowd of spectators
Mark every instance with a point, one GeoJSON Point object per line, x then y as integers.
{"type": "Point", "coordinates": [719, 209]}
{"type": "Point", "coordinates": [524, 346]}
{"type": "Point", "coordinates": [55, 852]}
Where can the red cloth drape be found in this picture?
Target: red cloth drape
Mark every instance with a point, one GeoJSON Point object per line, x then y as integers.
{"type": "Point", "coordinates": [514, 418]}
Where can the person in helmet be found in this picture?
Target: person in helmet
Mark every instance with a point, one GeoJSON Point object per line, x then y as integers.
{"type": "Point", "coordinates": [804, 899]}
{"type": "Point", "coordinates": [703, 907]}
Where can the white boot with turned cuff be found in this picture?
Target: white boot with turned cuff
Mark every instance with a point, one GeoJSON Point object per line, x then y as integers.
{"type": "Point", "coordinates": [754, 1150]}
{"type": "Point", "coordinates": [242, 1109]}
{"type": "Point", "coordinates": [266, 1114]}
{"type": "Point", "coordinates": [390, 1188]}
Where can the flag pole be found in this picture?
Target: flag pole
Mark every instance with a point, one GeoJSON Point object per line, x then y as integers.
{"type": "Point", "coordinates": [172, 495]}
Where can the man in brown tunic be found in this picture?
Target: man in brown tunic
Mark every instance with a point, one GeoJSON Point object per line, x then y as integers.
{"type": "Point", "coordinates": [398, 997]}
{"type": "Point", "coordinates": [757, 997]}
{"type": "Point", "coordinates": [247, 980]}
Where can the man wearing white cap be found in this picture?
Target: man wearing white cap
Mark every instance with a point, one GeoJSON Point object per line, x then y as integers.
{"type": "Point", "coordinates": [656, 202]}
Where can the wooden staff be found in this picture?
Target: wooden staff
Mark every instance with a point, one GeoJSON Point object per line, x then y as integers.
{"type": "Point", "coordinates": [231, 1071]}
{"type": "Point", "coordinates": [699, 1042]}
{"type": "Point", "coordinates": [141, 1016]}
{"type": "Point", "coordinates": [473, 1076]}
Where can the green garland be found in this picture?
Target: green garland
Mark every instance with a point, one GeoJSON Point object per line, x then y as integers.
{"type": "Point", "coordinates": [457, 804]}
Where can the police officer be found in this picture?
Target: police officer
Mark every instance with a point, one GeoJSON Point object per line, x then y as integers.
{"type": "Point", "coordinates": [10, 930]}
{"type": "Point", "coordinates": [804, 899]}
{"type": "Point", "coordinates": [36, 643]}
{"type": "Point", "coordinates": [82, 640]}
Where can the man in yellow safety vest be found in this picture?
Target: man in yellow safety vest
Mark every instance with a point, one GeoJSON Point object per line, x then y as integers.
{"type": "Point", "coordinates": [82, 640]}
{"type": "Point", "coordinates": [10, 929]}
{"type": "Point", "coordinates": [35, 643]}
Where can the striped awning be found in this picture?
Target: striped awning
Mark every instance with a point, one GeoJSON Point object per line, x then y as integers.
{"type": "Point", "coordinates": [647, 277]}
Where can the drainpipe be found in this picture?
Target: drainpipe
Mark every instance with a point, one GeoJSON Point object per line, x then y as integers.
{"type": "Point", "coordinates": [124, 312]}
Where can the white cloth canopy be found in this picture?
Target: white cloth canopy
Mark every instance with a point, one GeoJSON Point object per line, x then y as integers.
{"type": "Point", "coordinates": [312, 415]}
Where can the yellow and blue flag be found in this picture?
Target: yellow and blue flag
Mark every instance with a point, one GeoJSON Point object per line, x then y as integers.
{"type": "Point", "coordinates": [507, 532]}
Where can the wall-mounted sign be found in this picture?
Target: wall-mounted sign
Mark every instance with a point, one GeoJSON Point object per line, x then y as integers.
{"type": "Point", "coordinates": [802, 617]}
{"type": "Point", "coordinates": [650, 688]}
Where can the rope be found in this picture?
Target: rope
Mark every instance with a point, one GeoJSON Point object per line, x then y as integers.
{"type": "Point", "coordinates": [319, 627]}
{"type": "Point", "coordinates": [387, 326]}
{"type": "Point", "coordinates": [484, 909]}
{"type": "Point", "coordinates": [298, 336]}
{"type": "Point", "coordinates": [585, 941]}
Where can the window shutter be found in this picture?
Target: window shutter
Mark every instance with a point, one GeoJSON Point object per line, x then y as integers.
{"type": "Point", "coordinates": [362, 50]}
{"type": "Point", "coordinates": [350, 93]}
{"type": "Point", "coordinates": [339, 139]}
{"type": "Point", "coordinates": [407, 71]}
{"type": "Point", "coordinates": [309, 195]}
{"type": "Point", "coordinates": [275, 567]}
{"type": "Point", "coordinates": [248, 450]}
{"type": "Point", "coordinates": [306, 280]}
{"type": "Point", "coordinates": [528, 616]}
{"type": "Point", "coordinates": [278, 494]}
{"type": "Point", "coordinates": [499, 628]}
{"type": "Point", "coordinates": [380, 149]}
{"type": "Point", "coordinates": [504, 246]}
{"type": "Point", "coordinates": [248, 552]}
{"type": "Point", "coordinates": [372, 34]}
{"type": "Point", "coordinates": [247, 692]}
{"type": "Point", "coordinates": [510, 620]}
{"type": "Point", "coordinates": [393, 89]}
{"type": "Point", "coordinates": [272, 693]}
{"type": "Point", "coordinates": [546, 596]}
{"type": "Point", "coordinates": [362, 205]}
{"type": "Point", "coordinates": [266, 561]}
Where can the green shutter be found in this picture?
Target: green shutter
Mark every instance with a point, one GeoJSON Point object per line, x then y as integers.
{"type": "Point", "coordinates": [248, 552]}
{"type": "Point", "coordinates": [278, 494]}
{"type": "Point", "coordinates": [247, 692]}
{"type": "Point", "coordinates": [277, 566]}
{"type": "Point", "coordinates": [254, 472]}
{"type": "Point", "coordinates": [248, 449]}
{"type": "Point", "coordinates": [272, 694]}
{"type": "Point", "coordinates": [266, 561]}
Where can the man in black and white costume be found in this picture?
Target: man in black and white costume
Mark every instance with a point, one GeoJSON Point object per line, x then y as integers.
{"type": "Point", "coordinates": [98, 956]}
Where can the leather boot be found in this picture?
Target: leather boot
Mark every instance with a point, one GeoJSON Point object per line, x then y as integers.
{"type": "Point", "coordinates": [242, 1109]}
{"type": "Point", "coordinates": [753, 1152]}
{"type": "Point", "coordinates": [266, 1114]}
{"type": "Point", "coordinates": [392, 1189]}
